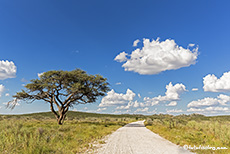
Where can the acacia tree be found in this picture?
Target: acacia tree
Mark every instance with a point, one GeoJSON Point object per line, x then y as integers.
{"type": "Point", "coordinates": [63, 89]}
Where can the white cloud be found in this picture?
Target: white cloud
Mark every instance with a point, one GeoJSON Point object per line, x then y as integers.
{"type": "Point", "coordinates": [40, 74]}
{"type": "Point", "coordinates": [135, 43]}
{"type": "Point", "coordinates": [173, 103]}
{"type": "Point", "coordinates": [130, 104]}
{"type": "Point", "coordinates": [195, 89]}
{"type": "Point", "coordinates": [121, 57]}
{"type": "Point", "coordinates": [118, 83]}
{"type": "Point", "coordinates": [136, 104]}
{"type": "Point", "coordinates": [7, 94]}
{"type": "Point", "coordinates": [216, 109]}
{"type": "Point", "coordinates": [191, 45]}
{"type": "Point", "coordinates": [155, 57]}
{"type": "Point", "coordinates": [208, 101]}
{"type": "Point", "coordinates": [144, 104]}
{"type": "Point", "coordinates": [126, 101]}
{"type": "Point", "coordinates": [174, 111]}
{"type": "Point", "coordinates": [209, 109]}
{"type": "Point", "coordinates": [122, 107]}
{"type": "Point", "coordinates": [7, 69]}
{"type": "Point", "coordinates": [139, 95]}
{"type": "Point", "coordinates": [172, 94]}
{"type": "Point", "coordinates": [114, 98]}
{"type": "Point", "coordinates": [2, 88]}
{"type": "Point", "coordinates": [142, 110]}
{"type": "Point", "coordinates": [204, 102]}
{"type": "Point", "coordinates": [213, 84]}
{"type": "Point", "coordinates": [101, 109]}
{"type": "Point", "coordinates": [223, 99]}
{"type": "Point", "coordinates": [195, 110]}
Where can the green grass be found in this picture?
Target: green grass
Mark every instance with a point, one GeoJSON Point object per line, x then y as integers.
{"type": "Point", "coordinates": [39, 133]}
{"type": "Point", "coordinates": [193, 130]}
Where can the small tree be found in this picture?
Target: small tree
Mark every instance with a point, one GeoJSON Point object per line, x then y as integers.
{"type": "Point", "coordinates": [63, 89]}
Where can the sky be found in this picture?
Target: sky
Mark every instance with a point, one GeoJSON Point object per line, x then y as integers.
{"type": "Point", "coordinates": [168, 56]}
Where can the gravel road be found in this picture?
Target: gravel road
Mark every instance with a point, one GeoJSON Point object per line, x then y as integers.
{"type": "Point", "coordinates": [135, 138]}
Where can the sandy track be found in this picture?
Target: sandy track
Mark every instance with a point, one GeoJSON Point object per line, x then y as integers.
{"type": "Point", "coordinates": [135, 138]}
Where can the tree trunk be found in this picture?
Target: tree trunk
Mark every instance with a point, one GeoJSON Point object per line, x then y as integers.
{"type": "Point", "coordinates": [61, 118]}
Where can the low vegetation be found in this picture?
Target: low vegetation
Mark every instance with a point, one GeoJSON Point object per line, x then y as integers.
{"type": "Point", "coordinates": [193, 130]}
{"type": "Point", "coordinates": [39, 133]}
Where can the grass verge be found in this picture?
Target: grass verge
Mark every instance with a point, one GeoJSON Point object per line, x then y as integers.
{"type": "Point", "coordinates": [40, 134]}
{"type": "Point", "coordinates": [193, 130]}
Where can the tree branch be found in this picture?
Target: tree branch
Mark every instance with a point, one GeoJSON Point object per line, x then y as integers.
{"type": "Point", "coordinates": [55, 102]}
{"type": "Point", "coordinates": [57, 97]}
{"type": "Point", "coordinates": [73, 100]}
{"type": "Point", "coordinates": [52, 109]}
{"type": "Point", "coordinates": [68, 99]}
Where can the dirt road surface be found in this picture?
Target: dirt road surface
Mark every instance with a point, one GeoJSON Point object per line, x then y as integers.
{"type": "Point", "coordinates": [135, 138]}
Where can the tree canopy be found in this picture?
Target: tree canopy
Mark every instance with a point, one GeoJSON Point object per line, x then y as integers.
{"type": "Point", "coordinates": [63, 89]}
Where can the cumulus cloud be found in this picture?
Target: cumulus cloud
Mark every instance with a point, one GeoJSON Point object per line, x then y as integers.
{"type": "Point", "coordinates": [194, 89]}
{"type": "Point", "coordinates": [223, 99]}
{"type": "Point", "coordinates": [191, 45]}
{"type": "Point", "coordinates": [7, 94]}
{"type": "Point", "coordinates": [174, 111]}
{"type": "Point", "coordinates": [155, 57]}
{"type": "Point", "coordinates": [40, 74]}
{"type": "Point", "coordinates": [125, 101]}
{"type": "Point", "coordinates": [173, 103]}
{"type": "Point", "coordinates": [101, 109]}
{"type": "Point", "coordinates": [136, 104]}
{"type": "Point", "coordinates": [204, 102]}
{"type": "Point", "coordinates": [121, 57]}
{"type": "Point", "coordinates": [209, 101]}
{"type": "Point", "coordinates": [213, 84]}
{"type": "Point", "coordinates": [118, 83]}
{"type": "Point", "coordinates": [139, 95]}
{"type": "Point", "coordinates": [130, 104]}
{"type": "Point", "coordinates": [122, 107]}
{"type": "Point", "coordinates": [135, 43]}
{"type": "Point", "coordinates": [114, 98]}
{"type": "Point", "coordinates": [2, 88]}
{"type": "Point", "coordinates": [146, 109]}
{"type": "Point", "coordinates": [7, 69]}
{"type": "Point", "coordinates": [172, 93]}
{"type": "Point", "coordinates": [209, 109]}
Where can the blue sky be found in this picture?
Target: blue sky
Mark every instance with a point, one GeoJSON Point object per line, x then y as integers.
{"type": "Point", "coordinates": [38, 36]}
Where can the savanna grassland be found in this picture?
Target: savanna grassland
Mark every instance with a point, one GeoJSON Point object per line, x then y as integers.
{"type": "Point", "coordinates": [39, 133]}
{"type": "Point", "coordinates": [193, 130]}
